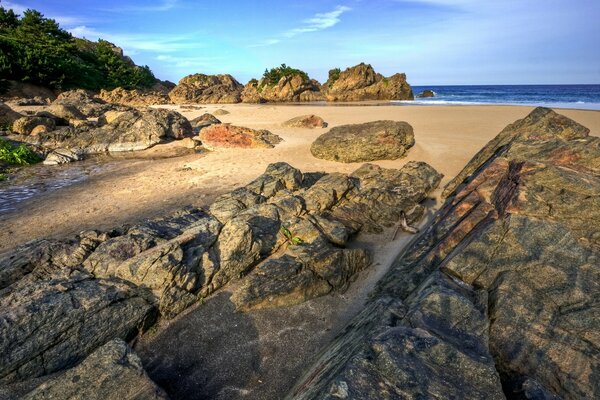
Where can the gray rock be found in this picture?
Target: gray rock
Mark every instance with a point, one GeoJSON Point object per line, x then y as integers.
{"type": "Point", "coordinates": [378, 140]}
{"type": "Point", "coordinates": [61, 156]}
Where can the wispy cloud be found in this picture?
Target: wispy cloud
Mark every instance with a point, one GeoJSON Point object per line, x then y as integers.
{"type": "Point", "coordinates": [318, 22]}
{"type": "Point", "coordinates": [188, 61]}
{"type": "Point", "coordinates": [133, 43]}
{"type": "Point", "coordinates": [165, 5]}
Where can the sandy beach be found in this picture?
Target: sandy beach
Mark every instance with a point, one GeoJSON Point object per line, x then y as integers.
{"type": "Point", "coordinates": [157, 183]}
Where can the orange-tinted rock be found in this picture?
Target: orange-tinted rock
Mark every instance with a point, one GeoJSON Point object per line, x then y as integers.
{"type": "Point", "coordinates": [225, 135]}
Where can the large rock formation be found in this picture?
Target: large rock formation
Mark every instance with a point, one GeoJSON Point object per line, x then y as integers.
{"type": "Point", "coordinates": [370, 141]}
{"type": "Point", "coordinates": [225, 135]}
{"type": "Point", "coordinates": [361, 83]}
{"type": "Point", "coordinates": [200, 88]}
{"type": "Point", "coordinates": [113, 371]}
{"type": "Point", "coordinates": [290, 88]}
{"type": "Point", "coordinates": [284, 233]}
{"type": "Point", "coordinates": [498, 297]}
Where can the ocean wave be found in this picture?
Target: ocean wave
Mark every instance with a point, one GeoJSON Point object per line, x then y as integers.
{"type": "Point", "coordinates": [439, 102]}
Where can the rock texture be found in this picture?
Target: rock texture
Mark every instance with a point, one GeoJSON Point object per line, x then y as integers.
{"type": "Point", "coordinates": [118, 131]}
{"type": "Point", "coordinates": [225, 135]}
{"type": "Point", "coordinates": [291, 88]}
{"type": "Point", "coordinates": [361, 82]}
{"type": "Point", "coordinates": [498, 297]}
{"type": "Point", "coordinates": [203, 121]}
{"type": "Point", "coordinates": [200, 88]}
{"type": "Point", "coordinates": [85, 102]}
{"type": "Point", "coordinates": [25, 125]}
{"type": "Point", "coordinates": [135, 97]}
{"type": "Point", "coordinates": [113, 371]}
{"type": "Point", "coordinates": [306, 121]}
{"type": "Point", "coordinates": [378, 140]}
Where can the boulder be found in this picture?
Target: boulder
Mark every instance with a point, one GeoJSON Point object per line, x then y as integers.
{"type": "Point", "coordinates": [225, 135]}
{"type": "Point", "coordinates": [203, 121]}
{"type": "Point", "coordinates": [65, 113]}
{"type": "Point", "coordinates": [34, 101]}
{"type": "Point", "coordinates": [306, 121]}
{"type": "Point", "coordinates": [497, 297]}
{"type": "Point", "coordinates": [370, 141]}
{"type": "Point", "coordinates": [83, 101]}
{"type": "Point", "coordinates": [290, 88]}
{"type": "Point", "coordinates": [119, 131]}
{"type": "Point", "coordinates": [135, 97]}
{"type": "Point", "coordinates": [25, 125]}
{"type": "Point", "coordinates": [7, 117]}
{"type": "Point", "coordinates": [61, 156]}
{"type": "Point", "coordinates": [200, 88]}
{"type": "Point", "coordinates": [361, 82]}
{"type": "Point", "coordinates": [426, 93]}
{"type": "Point", "coordinates": [113, 371]}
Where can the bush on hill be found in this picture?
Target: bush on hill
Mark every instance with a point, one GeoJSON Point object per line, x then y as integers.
{"type": "Point", "coordinates": [271, 77]}
{"type": "Point", "coordinates": [36, 50]}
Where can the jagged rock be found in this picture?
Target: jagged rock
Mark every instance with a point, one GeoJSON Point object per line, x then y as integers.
{"type": "Point", "coordinates": [135, 97]}
{"type": "Point", "coordinates": [25, 125]}
{"type": "Point", "coordinates": [7, 116]}
{"type": "Point", "coordinates": [361, 83]}
{"type": "Point", "coordinates": [61, 156]}
{"type": "Point", "coordinates": [113, 371]}
{"type": "Point", "coordinates": [498, 296]}
{"type": "Point", "coordinates": [426, 93]}
{"type": "Point", "coordinates": [85, 102]}
{"type": "Point", "coordinates": [306, 121]}
{"type": "Point", "coordinates": [378, 140]}
{"type": "Point", "coordinates": [225, 135]}
{"type": "Point", "coordinates": [204, 120]}
{"type": "Point", "coordinates": [200, 88]}
{"type": "Point", "coordinates": [127, 131]}
{"type": "Point", "coordinates": [289, 88]}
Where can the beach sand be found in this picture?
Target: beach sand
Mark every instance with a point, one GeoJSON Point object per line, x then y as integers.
{"type": "Point", "coordinates": [211, 351]}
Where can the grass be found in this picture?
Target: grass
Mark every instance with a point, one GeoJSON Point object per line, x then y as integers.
{"type": "Point", "coordinates": [17, 155]}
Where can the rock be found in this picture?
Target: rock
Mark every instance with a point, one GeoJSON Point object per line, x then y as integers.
{"type": "Point", "coordinates": [21, 90]}
{"type": "Point", "coordinates": [361, 83]}
{"type": "Point", "coordinates": [65, 113]}
{"type": "Point", "coordinates": [507, 269]}
{"type": "Point", "coordinates": [25, 125]}
{"type": "Point", "coordinates": [290, 88]}
{"type": "Point", "coordinates": [426, 93]}
{"type": "Point", "coordinates": [113, 371]}
{"type": "Point", "coordinates": [7, 117]}
{"type": "Point", "coordinates": [204, 120]}
{"type": "Point", "coordinates": [35, 101]}
{"type": "Point", "coordinates": [378, 140]}
{"type": "Point", "coordinates": [225, 135]}
{"type": "Point", "coordinates": [85, 102]}
{"type": "Point", "coordinates": [220, 111]}
{"type": "Point", "coordinates": [306, 121]}
{"type": "Point", "coordinates": [135, 97]}
{"type": "Point", "coordinates": [61, 156]}
{"type": "Point", "coordinates": [39, 130]}
{"type": "Point", "coordinates": [200, 88]}
{"type": "Point", "coordinates": [119, 131]}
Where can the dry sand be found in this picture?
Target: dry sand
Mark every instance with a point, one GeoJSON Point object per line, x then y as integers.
{"type": "Point", "coordinates": [126, 191]}
{"type": "Point", "coordinates": [210, 351]}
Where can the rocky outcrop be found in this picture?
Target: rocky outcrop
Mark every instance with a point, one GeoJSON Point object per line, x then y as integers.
{"type": "Point", "coordinates": [284, 234]}
{"type": "Point", "coordinates": [135, 97]}
{"type": "Point", "coordinates": [361, 82]}
{"type": "Point", "coordinates": [7, 117]}
{"type": "Point", "coordinates": [113, 371]}
{"type": "Point", "coordinates": [378, 140]}
{"type": "Point", "coordinates": [64, 113]}
{"type": "Point", "coordinates": [290, 88]}
{"type": "Point", "coordinates": [25, 125]}
{"type": "Point", "coordinates": [498, 297]}
{"type": "Point", "coordinates": [426, 93]}
{"type": "Point", "coordinates": [306, 121]}
{"type": "Point", "coordinates": [225, 135]}
{"type": "Point", "coordinates": [85, 102]}
{"type": "Point", "coordinates": [200, 88]}
{"type": "Point", "coordinates": [128, 130]}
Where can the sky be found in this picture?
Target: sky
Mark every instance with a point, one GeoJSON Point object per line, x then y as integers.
{"type": "Point", "coordinates": [435, 42]}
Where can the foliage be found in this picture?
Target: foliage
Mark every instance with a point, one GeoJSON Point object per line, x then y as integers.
{"type": "Point", "coordinates": [290, 237]}
{"type": "Point", "coordinates": [17, 155]}
{"type": "Point", "coordinates": [334, 74]}
{"type": "Point", "coordinates": [35, 49]}
{"type": "Point", "coordinates": [273, 76]}
{"type": "Point", "coordinates": [3, 177]}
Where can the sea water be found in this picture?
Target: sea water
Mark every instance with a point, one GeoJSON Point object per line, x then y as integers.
{"type": "Point", "coordinates": [585, 97]}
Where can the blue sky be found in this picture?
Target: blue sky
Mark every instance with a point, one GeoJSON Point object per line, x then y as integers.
{"type": "Point", "coordinates": [433, 41]}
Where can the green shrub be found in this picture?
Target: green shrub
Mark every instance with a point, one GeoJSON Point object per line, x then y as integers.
{"type": "Point", "coordinates": [334, 74]}
{"type": "Point", "coordinates": [273, 76]}
{"type": "Point", "coordinates": [17, 155]}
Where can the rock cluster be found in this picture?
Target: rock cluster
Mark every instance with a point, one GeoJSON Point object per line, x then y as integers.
{"type": "Point", "coordinates": [290, 88]}
{"type": "Point", "coordinates": [200, 88]}
{"type": "Point", "coordinates": [284, 233]}
{"type": "Point", "coordinates": [135, 97]}
{"type": "Point", "coordinates": [370, 141]}
{"type": "Point", "coordinates": [498, 297]}
{"type": "Point", "coordinates": [361, 82]}
{"type": "Point", "coordinates": [225, 135]}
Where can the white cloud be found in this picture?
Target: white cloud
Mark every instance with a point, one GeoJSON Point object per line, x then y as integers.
{"type": "Point", "coordinates": [318, 22]}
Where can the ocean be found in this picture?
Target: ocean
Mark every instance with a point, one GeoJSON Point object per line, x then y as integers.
{"type": "Point", "coordinates": [585, 97]}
